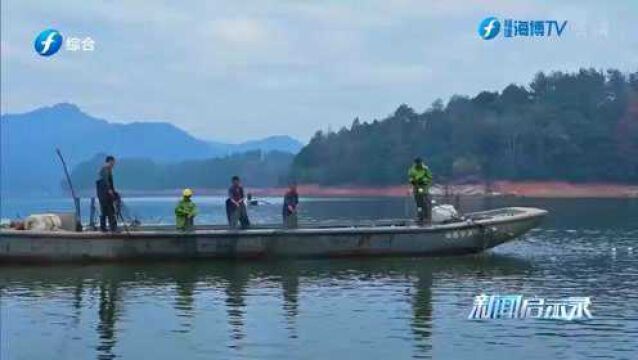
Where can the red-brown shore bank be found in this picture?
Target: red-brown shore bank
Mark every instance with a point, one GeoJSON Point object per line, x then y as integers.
{"type": "Point", "coordinates": [539, 189]}
{"type": "Point", "coordinates": [557, 189]}
{"type": "Point", "coordinates": [533, 189]}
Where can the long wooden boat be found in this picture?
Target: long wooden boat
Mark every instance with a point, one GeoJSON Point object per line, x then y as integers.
{"type": "Point", "coordinates": [476, 232]}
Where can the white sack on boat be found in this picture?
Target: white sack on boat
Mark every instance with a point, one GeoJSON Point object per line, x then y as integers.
{"type": "Point", "coordinates": [442, 213]}
{"type": "Point", "coordinates": [43, 222]}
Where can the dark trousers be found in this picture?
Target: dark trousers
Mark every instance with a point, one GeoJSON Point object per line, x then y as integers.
{"type": "Point", "coordinates": [107, 211]}
{"type": "Point", "coordinates": [423, 206]}
{"type": "Point", "coordinates": [189, 224]}
{"type": "Point", "coordinates": [237, 215]}
{"type": "Point", "coordinates": [290, 220]}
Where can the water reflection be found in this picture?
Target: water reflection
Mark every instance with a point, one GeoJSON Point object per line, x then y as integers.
{"type": "Point", "coordinates": [290, 288]}
{"type": "Point", "coordinates": [422, 309]}
{"type": "Point", "coordinates": [236, 280]}
{"type": "Point", "coordinates": [191, 280]}
{"type": "Point", "coordinates": [375, 308]}
{"type": "Point", "coordinates": [107, 318]}
{"type": "Point", "coordinates": [184, 298]}
{"type": "Point", "coordinates": [78, 295]}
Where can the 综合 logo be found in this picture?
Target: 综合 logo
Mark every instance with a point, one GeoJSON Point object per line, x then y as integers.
{"type": "Point", "coordinates": [489, 28]}
{"type": "Point", "coordinates": [48, 42]}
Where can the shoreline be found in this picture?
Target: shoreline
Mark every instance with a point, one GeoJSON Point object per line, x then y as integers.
{"type": "Point", "coordinates": [528, 189]}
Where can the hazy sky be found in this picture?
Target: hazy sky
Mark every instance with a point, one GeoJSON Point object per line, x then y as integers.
{"type": "Point", "coordinates": [234, 70]}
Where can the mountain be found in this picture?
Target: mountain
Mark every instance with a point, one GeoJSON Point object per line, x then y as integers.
{"type": "Point", "coordinates": [281, 143]}
{"type": "Point", "coordinates": [256, 168]}
{"type": "Point", "coordinates": [28, 162]}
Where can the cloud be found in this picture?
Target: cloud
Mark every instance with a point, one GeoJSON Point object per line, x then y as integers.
{"type": "Point", "coordinates": [234, 70]}
{"type": "Point", "coordinates": [241, 32]}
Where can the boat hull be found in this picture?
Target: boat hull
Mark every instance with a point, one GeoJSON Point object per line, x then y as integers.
{"type": "Point", "coordinates": [483, 231]}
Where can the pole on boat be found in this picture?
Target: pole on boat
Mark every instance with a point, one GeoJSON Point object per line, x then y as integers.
{"type": "Point", "coordinates": [406, 205]}
{"type": "Point", "coordinates": [76, 200]}
{"type": "Point", "coordinates": [92, 217]}
{"type": "Point", "coordinates": [118, 213]}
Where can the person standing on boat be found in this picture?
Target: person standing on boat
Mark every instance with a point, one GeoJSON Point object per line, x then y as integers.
{"type": "Point", "coordinates": [236, 205]}
{"type": "Point", "coordinates": [420, 178]}
{"type": "Point", "coordinates": [291, 200]}
{"type": "Point", "coordinates": [185, 212]}
{"type": "Point", "coordinates": [107, 195]}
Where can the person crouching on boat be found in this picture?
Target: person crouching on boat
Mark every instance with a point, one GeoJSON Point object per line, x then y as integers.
{"type": "Point", "coordinates": [420, 178]}
{"type": "Point", "coordinates": [107, 195]}
{"type": "Point", "coordinates": [185, 212]}
{"type": "Point", "coordinates": [236, 205]}
{"type": "Point", "coordinates": [291, 200]}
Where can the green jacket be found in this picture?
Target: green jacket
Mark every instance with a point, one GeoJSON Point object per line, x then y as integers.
{"type": "Point", "coordinates": [420, 177]}
{"type": "Point", "coordinates": [185, 213]}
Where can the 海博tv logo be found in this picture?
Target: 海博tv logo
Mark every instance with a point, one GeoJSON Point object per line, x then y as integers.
{"type": "Point", "coordinates": [491, 27]}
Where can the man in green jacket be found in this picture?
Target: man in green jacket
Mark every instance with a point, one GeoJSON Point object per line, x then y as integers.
{"type": "Point", "coordinates": [185, 212]}
{"type": "Point", "coordinates": [420, 177]}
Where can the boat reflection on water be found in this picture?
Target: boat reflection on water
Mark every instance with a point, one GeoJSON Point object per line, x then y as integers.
{"type": "Point", "coordinates": [192, 284]}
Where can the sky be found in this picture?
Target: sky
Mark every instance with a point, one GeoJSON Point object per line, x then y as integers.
{"type": "Point", "coordinates": [237, 70]}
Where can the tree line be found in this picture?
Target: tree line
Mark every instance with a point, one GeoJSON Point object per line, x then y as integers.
{"type": "Point", "coordinates": [580, 127]}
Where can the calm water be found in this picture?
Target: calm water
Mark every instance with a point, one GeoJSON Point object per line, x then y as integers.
{"type": "Point", "coordinates": [316, 309]}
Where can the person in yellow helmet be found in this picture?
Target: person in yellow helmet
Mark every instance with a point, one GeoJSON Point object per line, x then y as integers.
{"type": "Point", "coordinates": [420, 178]}
{"type": "Point", "coordinates": [185, 212]}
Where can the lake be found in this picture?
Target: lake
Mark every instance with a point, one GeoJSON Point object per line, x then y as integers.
{"type": "Point", "coordinates": [392, 308]}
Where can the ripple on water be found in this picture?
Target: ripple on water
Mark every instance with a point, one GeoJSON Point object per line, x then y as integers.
{"type": "Point", "coordinates": [374, 308]}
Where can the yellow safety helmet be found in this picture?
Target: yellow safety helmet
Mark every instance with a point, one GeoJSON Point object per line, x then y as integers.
{"type": "Point", "coordinates": [187, 193]}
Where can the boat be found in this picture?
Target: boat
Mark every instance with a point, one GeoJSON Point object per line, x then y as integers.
{"type": "Point", "coordinates": [473, 233]}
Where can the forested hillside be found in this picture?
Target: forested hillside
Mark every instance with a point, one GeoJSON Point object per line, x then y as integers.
{"type": "Point", "coordinates": [255, 168]}
{"type": "Point", "coordinates": [563, 126]}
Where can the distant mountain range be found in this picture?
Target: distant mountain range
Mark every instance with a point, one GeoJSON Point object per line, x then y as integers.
{"type": "Point", "coordinates": [28, 141]}
{"type": "Point", "coordinates": [282, 143]}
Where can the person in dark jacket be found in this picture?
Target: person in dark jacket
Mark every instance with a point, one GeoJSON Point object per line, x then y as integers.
{"type": "Point", "coordinates": [291, 200]}
{"type": "Point", "coordinates": [236, 205]}
{"type": "Point", "coordinates": [107, 195]}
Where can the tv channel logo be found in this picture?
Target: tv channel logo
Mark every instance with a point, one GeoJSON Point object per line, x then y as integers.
{"type": "Point", "coordinates": [48, 42]}
{"type": "Point", "coordinates": [489, 28]}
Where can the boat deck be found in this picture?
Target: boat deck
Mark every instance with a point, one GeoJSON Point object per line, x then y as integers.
{"type": "Point", "coordinates": [476, 232]}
